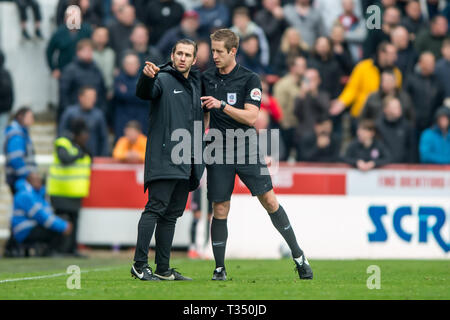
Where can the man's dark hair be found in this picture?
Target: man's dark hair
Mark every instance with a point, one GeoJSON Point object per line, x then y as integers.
{"type": "Point", "coordinates": [322, 119]}
{"type": "Point", "coordinates": [84, 43]}
{"type": "Point", "coordinates": [367, 124]}
{"type": "Point", "coordinates": [292, 59]}
{"type": "Point", "coordinates": [188, 42]}
{"type": "Point", "coordinates": [382, 46]}
{"type": "Point", "coordinates": [78, 126]}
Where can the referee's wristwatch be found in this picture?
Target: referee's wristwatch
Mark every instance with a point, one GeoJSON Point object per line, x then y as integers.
{"type": "Point", "coordinates": [223, 104]}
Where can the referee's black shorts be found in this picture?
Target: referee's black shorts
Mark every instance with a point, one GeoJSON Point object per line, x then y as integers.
{"type": "Point", "coordinates": [221, 179]}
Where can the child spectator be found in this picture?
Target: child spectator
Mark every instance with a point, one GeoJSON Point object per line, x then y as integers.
{"type": "Point", "coordinates": [131, 147]}
{"type": "Point", "coordinates": [366, 152]}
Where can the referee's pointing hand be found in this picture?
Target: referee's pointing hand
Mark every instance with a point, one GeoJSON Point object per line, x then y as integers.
{"type": "Point", "coordinates": [210, 102]}
{"type": "Point", "coordinates": [150, 69]}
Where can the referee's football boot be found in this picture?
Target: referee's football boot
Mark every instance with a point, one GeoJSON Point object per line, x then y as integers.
{"type": "Point", "coordinates": [171, 275]}
{"type": "Point", "coordinates": [220, 274]}
{"type": "Point", "coordinates": [303, 268]}
{"type": "Point", "coordinates": [145, 273]}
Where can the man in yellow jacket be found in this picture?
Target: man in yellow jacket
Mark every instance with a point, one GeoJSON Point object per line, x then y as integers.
{"type": "Point", "coordinates": [69, 177]}
{"type": "Point", "coordinates": [365, 79]}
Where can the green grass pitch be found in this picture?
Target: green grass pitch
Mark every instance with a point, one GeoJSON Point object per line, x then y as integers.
{"type": "Point", "coordinates": [107, 278]}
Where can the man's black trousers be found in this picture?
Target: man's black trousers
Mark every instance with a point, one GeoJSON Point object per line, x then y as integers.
{"type": "Point", "coordinates": [166, 203]}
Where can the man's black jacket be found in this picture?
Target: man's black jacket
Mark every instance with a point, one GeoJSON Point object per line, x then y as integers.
{"type": "Point", "coordinates": [174, 104]}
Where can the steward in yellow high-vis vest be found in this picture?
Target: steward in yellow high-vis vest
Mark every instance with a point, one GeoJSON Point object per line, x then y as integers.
{"type": "Point", "coordinates": [69, 177]}
{"type": "Point", "coordinates": [72, 179]}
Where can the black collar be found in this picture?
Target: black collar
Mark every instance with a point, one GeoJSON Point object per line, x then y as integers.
{"type": "Point", "coordinates": [231, 73]}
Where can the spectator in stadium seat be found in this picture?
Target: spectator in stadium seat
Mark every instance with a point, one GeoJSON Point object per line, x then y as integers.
{"type": "Point", "coordinates": [33, 220]}
{"type": "Point", "coordinates": [131, 147]}
{"type": "Point", "coordinates": [364, 80]}
{"type": "Point", "coordinates": [270, 151]}
{"type": "Point", "coordinates": [204, 56]}
{"type": "Point", "coordinates": [291, 45]}
{"type": "Point", "coordinates": [322, 58]}
{"type": "Point", "coordinates": [443, 68]}
{"type": "Point", "coordinates": [91, 10]}
{"type": "Point", "coordinates": [188, 28]}
{"type": "Point", "coordinates": [396, 132]}
{"type": "Point", "coordinates": [341, 50]}
{"type": "Point", "coordinates": [285, 91]}
{"type": "Point", "coordinates": [305, 19]}
{"type": "Point", "coordinates": [431, 39]}
{"type": "Point", "coordinates": [6, 98]}
{"type": "Point", "coordinates": [413, 20]}
{"type": "Point", "coordinates": [426, 91]}
{"type": "Point", "coordinates": [406, 53]}
{"type": "Point", "coordinates": [320, 144]}
{"type": "Point", "coordinates": [139, 44]}
{"type": "Point", "coordinates": [121, 29]}
{"type": "Point", "coordinates": [269, 103]}
{"type": "Point", "coordinates": [391, 19]}
{"type": "Point", "coordinates": [388, 87]}
{"type": "Point", "coordinates": [243, 26]}
{"type": "Point", "coordinates": [23, 5]}
{"type": "Point", "coordinates": [98, 143]}
{"type": "Point", "coordinates": [348, 19]}
{"type": "Point", "coordinates": [161, 16]}
{"type": "Point", "coordinates": [252, 5]}
{"type": "Point", "coordinates": [271, 20]}
{"type": "Point", "coordinates": [104, 58]}
{"type": "Point", "coordinates": [311, 103]}
{"type": "Point", "coordinates": [69, 177]}
{"type": "Point", "coordinates": [213, 15]}
{"type": "Point", "coordinates": [250, 55]}
{"type": "Point", "coordinates": [434, 143]}
{"type": "Point", "coordinates": [126, 105]}
{"type": "Point", "coordinates": [61, 48]}
{"type": "Point", "coordinates": [366, 152]}
{"type": "Point", "coordinates": [114, 8]}
{"type": "Point", "coordinates": [80, 73]}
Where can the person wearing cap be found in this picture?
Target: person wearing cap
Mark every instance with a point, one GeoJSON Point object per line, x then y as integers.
{"type": "Point", "coordinates": [188, 29]}
{"type": "Point", "coordinates": [434, 146]}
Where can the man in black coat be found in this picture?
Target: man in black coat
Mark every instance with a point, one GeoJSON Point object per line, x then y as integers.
{"type": "Point", "coordinates": [80, 73]}
{"type": "Point", "coordinates": [174, 91]}
{"type": "Point", "coordinates": [396, 132]}
{"type": "Point", "coordinates": [426, 91]}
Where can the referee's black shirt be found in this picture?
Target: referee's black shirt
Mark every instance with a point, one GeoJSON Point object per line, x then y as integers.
{"type": "Point", "coordinates": [236, 88]}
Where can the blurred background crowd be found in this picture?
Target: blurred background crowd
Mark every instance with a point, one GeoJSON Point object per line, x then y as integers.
{"type": "Point", "coordinates": [321, 62]}
{"type": "Point", "coordinates": [362, 82]}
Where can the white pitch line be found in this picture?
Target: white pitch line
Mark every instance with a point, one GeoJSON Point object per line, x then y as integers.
{"type": "Point", "coordinates": [52, 275]}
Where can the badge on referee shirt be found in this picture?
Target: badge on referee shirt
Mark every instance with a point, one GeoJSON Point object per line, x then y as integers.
{"type": "Point", "coordinates": [231, 98]}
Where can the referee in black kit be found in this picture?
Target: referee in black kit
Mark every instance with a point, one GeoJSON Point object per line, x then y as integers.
{"type": "Point", "coordinates": [232, 94]}
{"type": "Point", "coordinates": [174, 91]}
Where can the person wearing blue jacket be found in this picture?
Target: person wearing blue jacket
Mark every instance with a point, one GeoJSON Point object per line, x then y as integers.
{"type": "Point", "coordinates": [18, 148]}
{"type": "Point", "coordinates": [127, 106]}
{"type": "Point", "coordinates": [434, 144]}
{"type": "Point", "coordinates": [33, 220]}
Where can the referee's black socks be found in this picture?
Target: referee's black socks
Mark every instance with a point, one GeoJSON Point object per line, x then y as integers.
{"type": "Point", "coordinates": [281, 222]}
{"type": "Point", "coordinates": [219, 235]}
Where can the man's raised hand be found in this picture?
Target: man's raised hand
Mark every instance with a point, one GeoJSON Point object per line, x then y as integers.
{"type": "Point", "coordinates": [150, 69]}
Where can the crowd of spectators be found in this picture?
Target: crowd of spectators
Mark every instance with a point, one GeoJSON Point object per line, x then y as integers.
{"type": "Point", "coordinates": [318, 60]}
